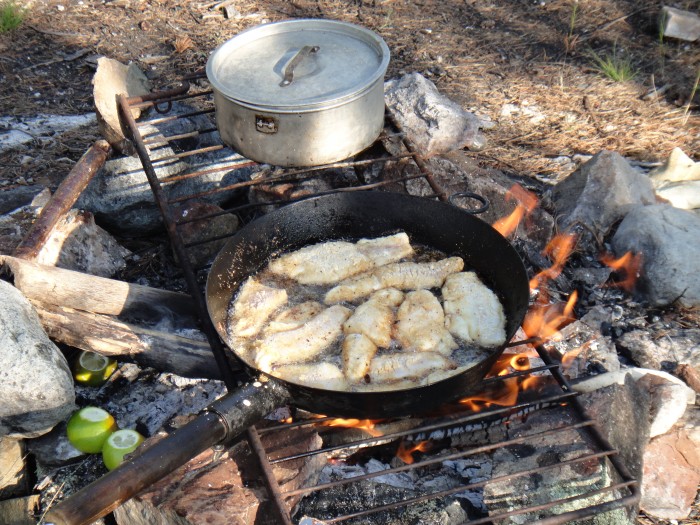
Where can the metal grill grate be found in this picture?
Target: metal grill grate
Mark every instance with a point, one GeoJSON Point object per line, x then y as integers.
{"type": "Point", "coordinates": [621, 493]}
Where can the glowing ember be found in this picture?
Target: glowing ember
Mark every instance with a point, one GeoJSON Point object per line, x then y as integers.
{"type": "Point", "coordinates": [527, 201]}
{"type": "Point", "coordinates": [405, 451]}
{"type": "Point", "coordinates": [365, 424]}
{"type": "Point", "coordinates": [628, 265]}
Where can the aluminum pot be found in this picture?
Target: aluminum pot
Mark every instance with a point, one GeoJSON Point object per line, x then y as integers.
{"type": "Point", "coordinates": [300, 92]}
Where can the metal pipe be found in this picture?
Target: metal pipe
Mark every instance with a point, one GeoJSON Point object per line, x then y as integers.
{"type": "Point", "coordinates": [63, 199]}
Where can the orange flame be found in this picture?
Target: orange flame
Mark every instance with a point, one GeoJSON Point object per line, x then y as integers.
{"type": "Point", "coordinates": [365, 424]}
{"type": "Point", "coordinates": [568, 358]}
{"type": "Point", "coordinates": [629, 265]}
{"type": "Point", "coordinates": [545, 320]}
{"type": "Point", "coordinates": [527, 202]}
{"type": "Point", "coordinates": [558, 250]}
{"type": "Point", "coordinates": [405, 452]}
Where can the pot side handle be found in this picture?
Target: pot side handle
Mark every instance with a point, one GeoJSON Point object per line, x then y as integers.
{"type": "Point", "coordinates": [221, 421]}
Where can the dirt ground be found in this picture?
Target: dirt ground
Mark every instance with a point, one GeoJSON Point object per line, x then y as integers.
{"type": "Point", "coordinates": [525, 65]}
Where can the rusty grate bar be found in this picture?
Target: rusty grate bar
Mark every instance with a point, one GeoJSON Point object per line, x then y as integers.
{"type": "Point", "coordinates": [162, 102]}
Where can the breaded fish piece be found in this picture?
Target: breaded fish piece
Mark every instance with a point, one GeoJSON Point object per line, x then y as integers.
{"type": "Point", "coordinates": [294, 317]}
{"type": "Point", "coordinates": [407, 365]}
{"type": "Point", "coordinates": [375, 317]}
{"type": "Point", "coordinates": [252, 307]}
{"type": "Point", "coordinates": [472, 311]}
{"type": "Point", "coordinates": [317, 375]}
{"type": "Point", "coordinates": [420, 324]}
{"type": "Point", "coordinates": [385, 250]}
{"type": "Point", "coordinates": [333, 261]}
{"type": "Point", "coordinates": [404, 276]}
{"type": "Point", "coordinates": [323, 263]}
{"type": "Point", "coordinates": [358, 351]}
{"type": "Point", "coordinates": [303, 343]}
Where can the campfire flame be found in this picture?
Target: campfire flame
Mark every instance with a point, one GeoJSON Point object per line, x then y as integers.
{"type": "Point", "coordinates": [558, 250]}
{"type": "Point", "coordinates": [526, 203]}
{"type": "Point", "coordinates": [368, 425]}
{"type": "Point", "coordinates": [406, 450]}
{"type": "Point", "coordinates": [544, 320]}
{"type": "Point", "coordinates": [629, 265]}
{"type": "Point", "coordinates": [506, 392]}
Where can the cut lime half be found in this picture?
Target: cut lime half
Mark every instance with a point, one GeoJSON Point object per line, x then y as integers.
{"type": "Point", "coordinates": [89, 428]}
{"type": "Point", "coordinates": [93, 369]}
{"type": "Point", "coordinates": [119, 444]}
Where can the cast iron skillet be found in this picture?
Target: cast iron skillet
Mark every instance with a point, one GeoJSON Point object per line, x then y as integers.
{"type": "Point", "coordinates": [372, 214]}
{"type": "Point", "coordinates": [339, 216]}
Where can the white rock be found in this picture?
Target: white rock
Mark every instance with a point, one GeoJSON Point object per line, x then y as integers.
{"type": "Point", "coordinates": [678, 167]}
{"type": "Point", "coordinates": [15, 131]}
{"type": "Point", "coordinates": [676, 23]}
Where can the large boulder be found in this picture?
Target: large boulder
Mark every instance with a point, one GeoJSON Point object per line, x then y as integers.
{"type": "Point", "coordinates": [667, 239]}
{"type": "Point", "coordinates": [36, 386]}
{"type": "Point", "coordinates": [595, 197]}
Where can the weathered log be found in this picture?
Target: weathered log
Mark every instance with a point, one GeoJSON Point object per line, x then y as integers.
{"type": "Point", "coordinates": [184, 355]}
{"type": "Point", "coordinates": [19, 511]}
{"type": "Point", "coordinates": [98, 295]}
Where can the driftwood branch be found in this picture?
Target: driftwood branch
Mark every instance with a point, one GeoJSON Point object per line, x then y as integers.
{"type": "Point", "coordinates": [99, 295]}
{"type": "Point", "coordinates": [179, 354]}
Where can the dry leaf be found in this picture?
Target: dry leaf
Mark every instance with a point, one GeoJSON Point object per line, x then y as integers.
{"type": "Point", "coordinates": [183, 43]}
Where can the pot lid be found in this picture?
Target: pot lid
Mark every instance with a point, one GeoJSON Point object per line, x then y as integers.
{"type": "Point", "coordinates": [298, 64]}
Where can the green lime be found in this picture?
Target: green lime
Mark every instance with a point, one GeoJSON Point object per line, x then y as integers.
{"type": "Point", "coordinates": [88, 429]}
{"type": "Point", "coordinates": [93, 369]}
{"type": "Point", "coordinates": [119, 444]}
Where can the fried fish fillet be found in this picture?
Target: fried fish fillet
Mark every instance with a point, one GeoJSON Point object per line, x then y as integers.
{"type": "Point", "coordinates": [385, 250]}
{"type": "Point", "coordinates": [252, 307]}
{"type": "Point", "coordinates": [317, 375]}
{"type": "Point", "coordinates": [375, 317]}
{"type": "Point", "coordinates": [294, 317]}
{"type": "Point", "coordinates": [303, 343]}
{"type": "Point", "coordinates": [473, 311]}
{"type": "Point", "coordinates": [404, 276]}
{"type": "Point", "coordinates": [323, 263]}
{"type": "Point", "coordinates": [358, 351]}
{"type": "Point", "coordinates": [407, 365]}
{"type": "Point", "coordinates": [333, 261]}
{"type": "Point", "coordinates": [420, 324]}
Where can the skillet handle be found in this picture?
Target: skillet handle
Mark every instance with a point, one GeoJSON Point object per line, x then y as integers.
{"type": "Point", "coordinates": [222, 421]}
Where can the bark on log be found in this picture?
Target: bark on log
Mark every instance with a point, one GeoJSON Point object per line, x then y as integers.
{"type": "Point", "coordinates": [179, 354]}
{"type": "Point", "coordinates": [98, 295]}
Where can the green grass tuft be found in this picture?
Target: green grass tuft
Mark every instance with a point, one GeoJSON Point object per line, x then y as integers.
{"type": "Point", "coordinates": [11, 15]}
{"type": "Point", "coordinates": [619, 69]}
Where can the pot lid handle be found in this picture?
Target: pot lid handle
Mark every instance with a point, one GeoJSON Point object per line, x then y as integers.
{"type": "Point", "coordinates": [294, 62]}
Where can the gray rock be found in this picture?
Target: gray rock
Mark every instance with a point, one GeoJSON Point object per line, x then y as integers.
{"type": "Point", "coordinates": [14, 198]}
{"type": "Point", "coordinates": [667, 239]}
{"type": "Point", "coordinates": [77, 243]}
{"type": "Point", "coordinates": [676, 23]}
{"type": "Point", "coordinates": [204, 230]}
{"type": "Point", "coordinates": [586, 351]}
{"type": "Point", "coordinates": [434, 123]}
{"type": "Point", "coordinates": [53, 449]}
{"type": "Point", "coordinates": [36, 386]}
{"type": "Point", "coordinates": [121, 197]}
{"type": "Point", "coordinates": [622, 412]}
{"type": "Point", "coordinates": [680, 346]}
{"type": "Point", "coordinates": [595, 197]}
